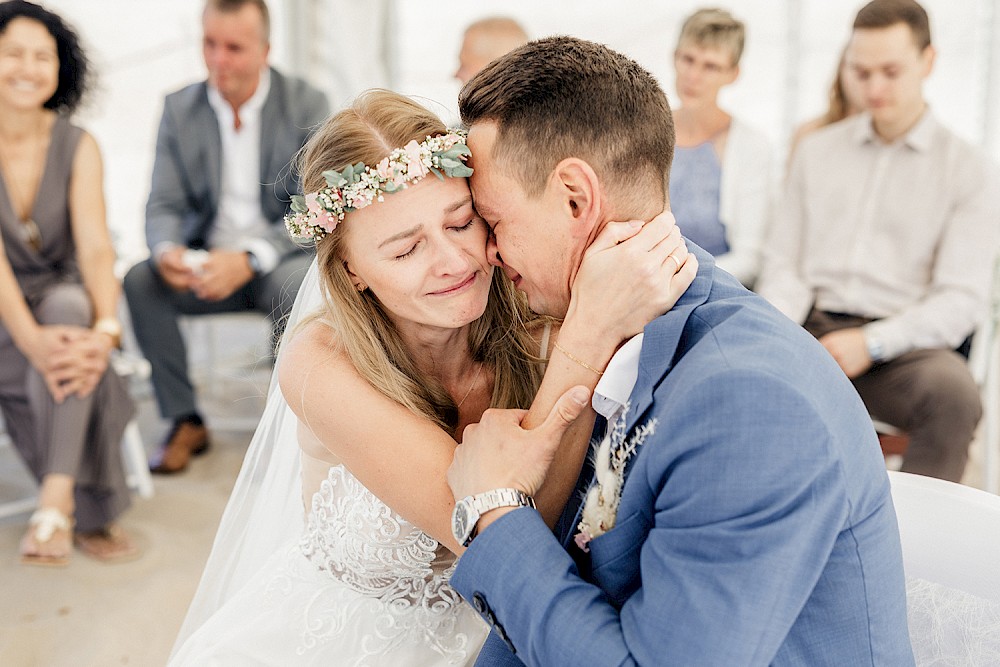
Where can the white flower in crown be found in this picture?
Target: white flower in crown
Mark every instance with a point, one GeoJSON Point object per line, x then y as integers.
{"type": "Point", "coordinates": [318, 213]}
{"type": "Point", "coordinates": [600, 506]}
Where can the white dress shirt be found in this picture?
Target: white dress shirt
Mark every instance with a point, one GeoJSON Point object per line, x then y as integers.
{"type": "Point", "coordinates": [614, 388]}
{"type": "Point", "coordinates": [240, 223]}
{"type": "Point", "coordinates": [904, 232]}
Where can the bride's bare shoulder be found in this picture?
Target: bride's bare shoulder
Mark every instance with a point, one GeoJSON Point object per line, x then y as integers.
{"type": "Point", "coordinates": [311, 346]}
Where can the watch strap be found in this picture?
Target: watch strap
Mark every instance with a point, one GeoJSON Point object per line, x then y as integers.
{"type": "Point", "coordinates": [111, 327]}
{"type": "Point", "coordinates": [875, 348]}
{"type": "Point", "coordinates": [254, 263]}
{"type": "Point", "coordinates": [508, 497]}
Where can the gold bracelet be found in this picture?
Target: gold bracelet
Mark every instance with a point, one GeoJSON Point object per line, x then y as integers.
{"type": "Point", "coordinates": [579, 361]}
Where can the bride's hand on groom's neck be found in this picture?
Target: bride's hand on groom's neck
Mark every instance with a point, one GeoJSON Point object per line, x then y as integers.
{"type": "Point", "coordinates": [632, 273]}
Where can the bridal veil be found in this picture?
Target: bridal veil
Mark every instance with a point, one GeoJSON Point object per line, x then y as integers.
{"type": "Point", "coordinates": [265, 509]}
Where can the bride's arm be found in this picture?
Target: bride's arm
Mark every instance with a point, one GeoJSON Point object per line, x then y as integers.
{"type": "Point", "coordinates": [400, 457]}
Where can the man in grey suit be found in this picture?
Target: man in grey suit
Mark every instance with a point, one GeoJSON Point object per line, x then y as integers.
{"type": "Point", "coordinates": [222, 180]}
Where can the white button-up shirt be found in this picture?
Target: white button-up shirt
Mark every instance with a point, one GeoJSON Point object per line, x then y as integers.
{"type": "Point", "coordinates": [240, 223]}
{"type": "Point", "coordinates": [614, 388]}
{"type": "Point", "coordinates": [905, 233]}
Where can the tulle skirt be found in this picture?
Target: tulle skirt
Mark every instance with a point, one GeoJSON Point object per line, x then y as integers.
{"type": "Point", "coordinates": [294, 613]}
{"type": "Point", "coordinates": [952, 628]}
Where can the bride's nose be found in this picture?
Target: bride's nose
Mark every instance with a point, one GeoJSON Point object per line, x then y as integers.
{"type": "Point", "coordinates": [452, 259]}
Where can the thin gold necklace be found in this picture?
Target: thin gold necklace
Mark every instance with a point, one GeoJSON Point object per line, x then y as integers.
{"type": "Point", "coordinates": [471, 386]}
{"type": "Point", "coordinates": [29, 228]}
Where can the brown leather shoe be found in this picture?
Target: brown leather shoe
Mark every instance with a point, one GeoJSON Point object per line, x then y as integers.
{"type": "Point", "coordinates": [184, 441]}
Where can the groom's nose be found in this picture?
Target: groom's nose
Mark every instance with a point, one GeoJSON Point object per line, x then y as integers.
{"type": "Point", "coordinates": [493, 251]}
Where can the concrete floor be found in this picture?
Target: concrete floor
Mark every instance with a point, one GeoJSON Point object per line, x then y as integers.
{"type": "Point", "coordinates": [94, 615]}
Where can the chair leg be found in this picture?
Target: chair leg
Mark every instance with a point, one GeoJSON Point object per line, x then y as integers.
{"type": "Point", "coordinates": [136, 463]}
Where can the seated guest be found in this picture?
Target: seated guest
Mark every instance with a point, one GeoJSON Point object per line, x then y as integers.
{"type": "Point", "coordinates": [486, 40]}
{"type": "Point", "coordinates": [720, 185]}
{"type": "Point", "coordinates": [214, 218]}
{"type": "Point", "coordinates": [885, 241]}
{"type": "Point", "coordinates": [845, 100]}
{"type": "Point", "coordinates": [64, 407]}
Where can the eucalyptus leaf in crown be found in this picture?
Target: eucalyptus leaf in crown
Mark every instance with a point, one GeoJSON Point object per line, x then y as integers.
{"type": "Point", "coordinates": [356, 186]}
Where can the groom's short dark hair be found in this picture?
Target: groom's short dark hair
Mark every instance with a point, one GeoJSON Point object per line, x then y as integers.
{"type": "Point", "coordinates": [563, 97]}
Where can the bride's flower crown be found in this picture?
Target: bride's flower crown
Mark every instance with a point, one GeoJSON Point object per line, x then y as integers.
{"type": "Point", "coordinates": [317, 214]}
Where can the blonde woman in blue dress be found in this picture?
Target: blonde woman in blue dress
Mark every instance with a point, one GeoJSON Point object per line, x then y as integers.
{"type": "Point", "coordinates": [403, 334]}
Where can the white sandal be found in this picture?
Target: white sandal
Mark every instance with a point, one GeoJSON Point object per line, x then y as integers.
{"type": "Point", "coordinates": [42, 526]}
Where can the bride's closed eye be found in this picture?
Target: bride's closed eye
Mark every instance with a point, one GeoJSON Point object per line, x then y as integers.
{"type": "Point", "coordinates": [409, 252]}
{"type": "Point", "coordinates": [466, 226]}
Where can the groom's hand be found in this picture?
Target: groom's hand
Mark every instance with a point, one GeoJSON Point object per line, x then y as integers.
{"type": "Point", "coordinates": [499, 453]}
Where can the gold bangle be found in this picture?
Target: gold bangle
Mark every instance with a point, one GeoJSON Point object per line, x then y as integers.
{"type": "Point", "coordinates": [579, 361]}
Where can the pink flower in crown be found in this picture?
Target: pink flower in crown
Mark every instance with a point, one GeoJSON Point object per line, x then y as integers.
{"type": "Point", "coordinates": [384, 171]}
{"type": "Point", "coordinates": [415, 168]}
{"type": "Point", "coordinates": [327, 222]}
{"type": "Point", "coordinates": [312, 203]}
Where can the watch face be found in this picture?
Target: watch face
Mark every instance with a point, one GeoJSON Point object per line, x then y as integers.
{"type": "Point", "coordinates": [462, 521]}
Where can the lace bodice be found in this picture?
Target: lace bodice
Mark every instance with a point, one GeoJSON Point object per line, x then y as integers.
{"type": "Point", "coordinates": [361, 542]}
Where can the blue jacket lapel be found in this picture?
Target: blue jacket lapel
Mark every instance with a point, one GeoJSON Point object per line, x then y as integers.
{"type": "Point", "coordinates": [659, 347]}
{"type": "Point", "coordinates": [568, 520]}
{"type": "Point", "coordinates": [662, 337]}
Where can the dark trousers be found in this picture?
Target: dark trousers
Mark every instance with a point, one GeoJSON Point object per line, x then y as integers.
{"type": "Point", "coordinates": [930, 394]}
{"type": "Point", "coordinates": [156, 309]}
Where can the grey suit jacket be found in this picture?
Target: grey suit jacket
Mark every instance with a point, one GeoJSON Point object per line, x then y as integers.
{"type": "Point", "coordinates": [187, 170]}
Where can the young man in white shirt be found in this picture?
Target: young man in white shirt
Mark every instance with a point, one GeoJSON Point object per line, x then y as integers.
{"type": "Point", "coordinates": [884, 243]}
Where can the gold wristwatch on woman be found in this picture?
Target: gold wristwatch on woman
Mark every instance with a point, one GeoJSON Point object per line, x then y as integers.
{"type": "Point", "coordinates": [111, 327]}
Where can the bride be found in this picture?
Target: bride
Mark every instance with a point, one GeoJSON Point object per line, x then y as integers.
{"type": "Point", "coordinates": [336, 547]}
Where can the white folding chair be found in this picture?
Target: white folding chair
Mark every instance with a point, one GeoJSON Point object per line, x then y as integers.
{"type": "Point", "coordinates": [951, 550]}
{"type": "Point", "coordinates": [984, 362]}
{"type": "Point", "coordinates": [14, 506]}
{"type": "Point", "coordinates": [224, 347]}
{"type": "Point", "coordinates": [137, 473]}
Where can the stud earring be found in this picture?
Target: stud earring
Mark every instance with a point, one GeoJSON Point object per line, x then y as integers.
{"type": "Point", "coordinates": [361, 287]}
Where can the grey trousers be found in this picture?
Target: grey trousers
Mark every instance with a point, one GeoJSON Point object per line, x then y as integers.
{"type": "Point", "coordinates": [80, 437]}
{"type": "Point", "coordinates": [930, 394]}
{"type": "Point", "coordinates": [156, 308]}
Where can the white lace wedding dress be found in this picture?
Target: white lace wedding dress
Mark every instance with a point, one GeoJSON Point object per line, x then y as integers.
{"type": "Point", "coordinates": [362, 586]}
{"type": "Point", "coordinates": [310, 568]}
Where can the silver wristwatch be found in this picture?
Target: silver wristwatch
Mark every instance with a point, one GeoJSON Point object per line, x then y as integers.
{"type": "Point", "coordinates": [467, 511]}
{"type": "Point", "coordinates": [875, 349]}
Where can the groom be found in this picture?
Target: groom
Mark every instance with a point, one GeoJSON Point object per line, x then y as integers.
{"type": "Point", "coordinates": [743, 514]}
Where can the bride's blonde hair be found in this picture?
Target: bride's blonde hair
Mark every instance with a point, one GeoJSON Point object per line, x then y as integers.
{"type": "Point", "coordinates": [376, 123]}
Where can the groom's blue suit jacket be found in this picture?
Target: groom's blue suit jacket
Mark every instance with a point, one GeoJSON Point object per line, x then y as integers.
{"type": "Point", "coordinates": [755, 526]}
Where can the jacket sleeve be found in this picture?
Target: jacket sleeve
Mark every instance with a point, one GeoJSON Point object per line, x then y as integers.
{"type": "Point", "coordinates": [739, 532]}
{"type": "Point", "coordinates": [167, 204]}
{"type": "Point", "coordinates": [780, 280]}
{"type": "Point", "coordinates": [747, 196]}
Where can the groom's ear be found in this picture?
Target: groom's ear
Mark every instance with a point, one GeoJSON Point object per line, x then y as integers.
{"type": "Point", "coordinates": [579, 193]}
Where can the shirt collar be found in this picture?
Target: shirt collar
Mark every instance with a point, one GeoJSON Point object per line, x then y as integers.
{"type": "Point", "coordinates": [249, 108]}
{"type": "Point", "coordinates": [919, 138]}
{"type": "Point", "coordinates": [615, 386]}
